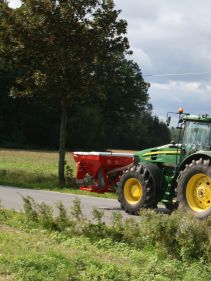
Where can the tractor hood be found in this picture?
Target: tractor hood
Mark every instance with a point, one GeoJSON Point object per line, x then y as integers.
{"type": "Point", "coordinates": [166, 155]}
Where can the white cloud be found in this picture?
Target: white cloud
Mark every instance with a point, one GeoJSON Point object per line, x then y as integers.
{"type": "Point", "coordinates": [14, 3]}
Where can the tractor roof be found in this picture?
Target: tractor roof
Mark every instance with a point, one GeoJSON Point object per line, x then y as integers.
{"type": "Point", "coordinates": [198, 118]}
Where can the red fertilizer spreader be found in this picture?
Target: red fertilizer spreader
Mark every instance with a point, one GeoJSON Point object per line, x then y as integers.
{"type": "Point", "coordinates": [100, 171]}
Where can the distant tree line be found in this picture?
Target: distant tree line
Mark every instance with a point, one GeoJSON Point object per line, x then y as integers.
{"type": "Point", "coordinates": [122, 121]}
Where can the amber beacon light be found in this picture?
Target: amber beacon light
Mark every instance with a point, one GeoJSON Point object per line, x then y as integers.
{"type": "Point", "coordinates": [181, 110]}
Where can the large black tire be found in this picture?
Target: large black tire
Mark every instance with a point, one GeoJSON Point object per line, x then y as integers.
{"type": "Point", "coordinates": [143, 178]}
{"type": "Point", "coordinates": [194, 188]}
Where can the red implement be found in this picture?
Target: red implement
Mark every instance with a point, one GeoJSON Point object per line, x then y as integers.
{"type": "Point", "coordinates": [100, 171]}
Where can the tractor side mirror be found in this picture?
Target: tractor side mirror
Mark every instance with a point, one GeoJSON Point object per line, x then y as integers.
{"type": "Point", "coordinates": [168, 120]}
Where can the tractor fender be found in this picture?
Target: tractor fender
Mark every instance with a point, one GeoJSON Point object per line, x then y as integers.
{"type": "Point", "coordinates": [195, 156]}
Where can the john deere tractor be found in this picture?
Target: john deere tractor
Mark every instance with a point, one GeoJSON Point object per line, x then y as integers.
{"type": "Point", "coordinates": [177, 174]}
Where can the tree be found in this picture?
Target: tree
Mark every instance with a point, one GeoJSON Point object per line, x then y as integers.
{"type": "Point", "coordinates": [59, 46]}
{"type": "Point", "coordinates": [124, 120]}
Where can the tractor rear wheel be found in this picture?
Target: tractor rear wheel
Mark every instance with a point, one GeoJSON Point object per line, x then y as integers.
{"type": "Point", "coordinates": [137, 188]}
{"type": "Point", "coordinates": [194, 188]}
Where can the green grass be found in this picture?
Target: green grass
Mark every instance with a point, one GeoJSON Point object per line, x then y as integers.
{"type": "Point", "coordinates": [31, 161]}
{"type": "Point", "coordinates": [37, 170]}
{"type": "Point", "coordinates": [33, 248]}
{"type": "Point", "coordinates": [39, 256]}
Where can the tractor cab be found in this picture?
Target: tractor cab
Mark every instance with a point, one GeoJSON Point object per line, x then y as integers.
{"type": "Point", "coordinates": [196, 134]}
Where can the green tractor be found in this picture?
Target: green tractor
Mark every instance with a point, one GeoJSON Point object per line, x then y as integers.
{"type": "Point", "coordinates": [177, 174]}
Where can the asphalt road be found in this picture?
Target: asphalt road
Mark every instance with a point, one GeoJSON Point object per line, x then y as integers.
{"type": "Point", "coordinates": [11, 198]}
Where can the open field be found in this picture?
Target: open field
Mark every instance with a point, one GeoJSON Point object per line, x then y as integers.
{"type": "Point", "coordinates": [40, 162]}
{"type": "Point", "coordinates": [36, 169]}
{"type": "Point", "coordinates": [38, 247]}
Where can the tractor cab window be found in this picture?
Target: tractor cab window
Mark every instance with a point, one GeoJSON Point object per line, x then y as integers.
{"type": "Point", "coordinates": [196, 136]}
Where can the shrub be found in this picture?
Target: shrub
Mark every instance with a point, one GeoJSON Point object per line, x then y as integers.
{"type": "Point", "coordinates": [69, 175]}
{"type": "Point", "coordinates": [2, 212]}
{"type": "Point", "coordinates": [45, 215]}
{"type": "Point", "coordinates": [29, 206]}
{"type": "Point", "coordinates": [76, 210]}
{"type": "Point", "coordinates": [131, 233]}
{"type": "Point", "coordinates": [62, 220]}
{"type": "Point", "coordinates": [192, 238]}
{"type": "Point", "coordinates": [180, 235]}
{"type": "Point", "coordinates": [40, 213]}
{"type": "Point", "coordinates": [117, 227]}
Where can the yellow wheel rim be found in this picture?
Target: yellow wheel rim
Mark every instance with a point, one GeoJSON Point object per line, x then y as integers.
{"type": "Point", "coordinates": [198, 192]}
{"type": "Point", "coordinates": [133, 191]}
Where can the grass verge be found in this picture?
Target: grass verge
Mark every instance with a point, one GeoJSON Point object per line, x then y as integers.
{"type": "Point", "coordinates": [35, 245]}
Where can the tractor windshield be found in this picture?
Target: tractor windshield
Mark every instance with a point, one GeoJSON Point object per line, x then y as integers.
{"type": "Point", "coordinates": [197, 136]}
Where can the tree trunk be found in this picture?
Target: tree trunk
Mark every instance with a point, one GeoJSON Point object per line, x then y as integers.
{"type": "Point", "coordinates": [62, 142]}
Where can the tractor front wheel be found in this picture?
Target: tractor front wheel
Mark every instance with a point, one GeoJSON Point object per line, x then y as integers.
{"type": "Point", "coordinates": [137, 189]}
{"type": "Point", "coordinates": [194, 188]}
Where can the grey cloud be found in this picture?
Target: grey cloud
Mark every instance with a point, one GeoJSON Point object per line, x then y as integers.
{"type": "Point", "coordinates": [175, 36]}
{"type": "Point", "coordinates": [195, 97]}
{"type": "Point", "coordinates": [172, 37]}
{"type": "Point", "coordinates": [136, 9]}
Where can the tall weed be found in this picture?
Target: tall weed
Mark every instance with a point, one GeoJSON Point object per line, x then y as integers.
{"type": "Point", "coordinates": [76, 210]}
{"type": "Point", "coordinates": [62, 220]}
{"type": "Point", "coordinates": [29, 207]}
{"type": "Point", "coordinates": [45, 215]}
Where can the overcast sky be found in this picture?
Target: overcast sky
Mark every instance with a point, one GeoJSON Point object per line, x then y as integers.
{"type": "Point", "coordinates": [171, 37]}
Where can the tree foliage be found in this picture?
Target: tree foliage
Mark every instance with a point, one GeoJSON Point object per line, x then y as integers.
{"type": "Point", "coordinates": [59, 47]}
{"type": "Point", "coordinates": [60, 44]}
